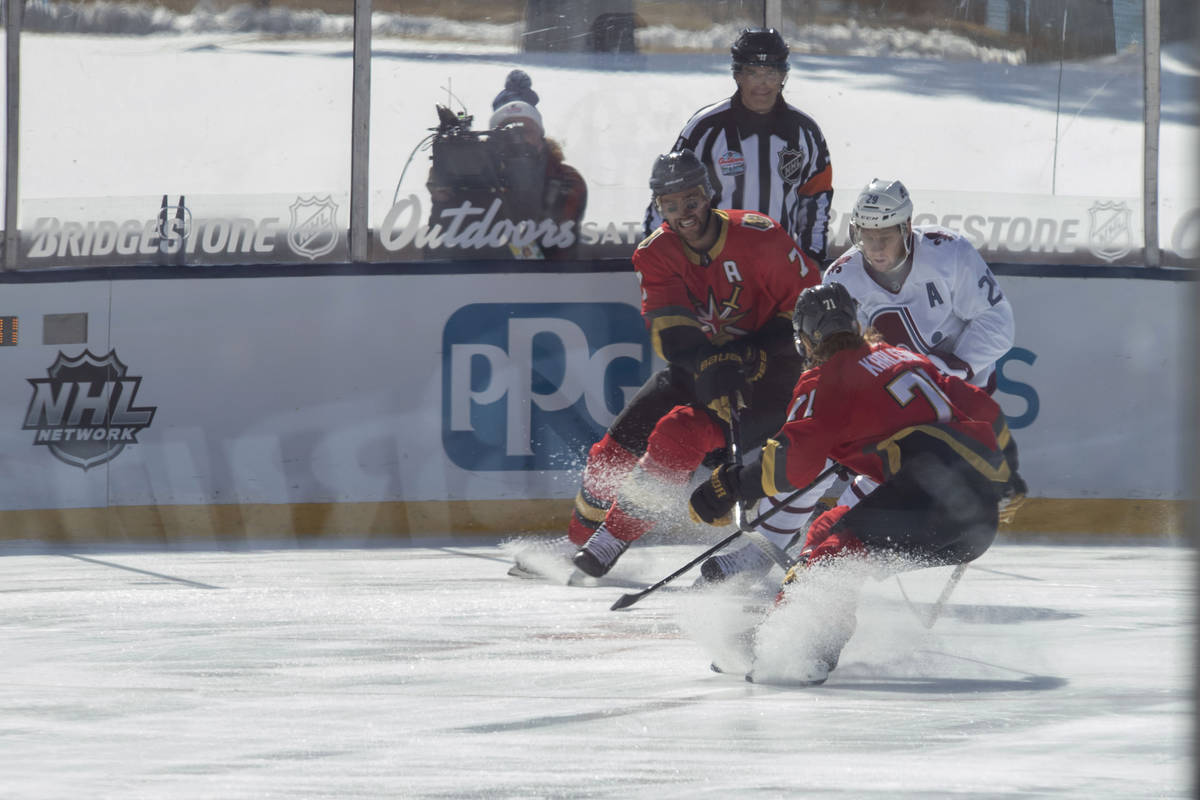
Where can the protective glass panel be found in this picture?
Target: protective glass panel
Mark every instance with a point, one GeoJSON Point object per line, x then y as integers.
{"type": "Point", "coordinates": [181, 134]}
{"type": "Point", "coordinates": [1020, 124]}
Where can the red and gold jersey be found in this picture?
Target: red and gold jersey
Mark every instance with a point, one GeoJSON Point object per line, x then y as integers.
{"type": "Point", "coordinates": [751, 276]}
{"type": "Point", "coordinates": [869, 407]}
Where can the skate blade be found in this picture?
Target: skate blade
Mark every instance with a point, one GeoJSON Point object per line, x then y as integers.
{"type": "Point", "coordinates": [583, 580]}
{"type": "Point", "coordinates": [576, 578]}
{"type": "Point", "coordinates": [783, 683]}
{"type": "Point", "coordinates": [518, 571]}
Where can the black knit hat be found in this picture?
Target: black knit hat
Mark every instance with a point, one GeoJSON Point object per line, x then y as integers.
{"type": "Point", "coordinates": [517, 86]}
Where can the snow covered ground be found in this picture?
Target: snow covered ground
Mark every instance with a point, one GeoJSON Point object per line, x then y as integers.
{"type": "Point", "coordinates": [237, 114]}
{"type": "Point", "coordinates": [426, 672]}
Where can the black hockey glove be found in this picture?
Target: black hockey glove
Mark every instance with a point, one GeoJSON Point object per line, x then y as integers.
{"type": "Point", "coordinates": [719, 378]}
{"type": "Point", "coordinates": [719, 374]}
{"type": "Point", "coordinates": [727, 373]}
{"type": "Point", "coordinates": [712, 502]}
{"type": "Point", "coordinates": [754, 361]}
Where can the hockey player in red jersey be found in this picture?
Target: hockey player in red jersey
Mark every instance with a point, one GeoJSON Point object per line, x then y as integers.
{"type": "Point", "coordinates": [934, 443]}
{"type": "Point", "coordinates": [924, 288]}
{"type": "Point", "coordinates": [718, 288]}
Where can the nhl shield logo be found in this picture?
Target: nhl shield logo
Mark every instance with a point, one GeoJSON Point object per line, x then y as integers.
{"type": "Point", "coordinates": [313, 232]}
{"type": "Point", "coordinates": [791, 163]}
{"type": "Point", "coordinates": [84, 412]}
{"type": "Point", "coordinates": [1110, 236]}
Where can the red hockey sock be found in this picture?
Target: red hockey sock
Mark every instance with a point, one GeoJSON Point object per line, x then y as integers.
{"type": "Point", "coordinates": [608, 465]}
{"type": "Point", "coordinates": [679, 443]}
{"type": "Point", "coordinates": [675, 449]}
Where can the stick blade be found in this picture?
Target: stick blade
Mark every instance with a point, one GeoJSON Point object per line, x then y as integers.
{"type": "Point", "coordinates": [625, 601]}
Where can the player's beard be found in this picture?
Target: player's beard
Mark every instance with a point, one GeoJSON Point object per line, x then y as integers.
{"type": "Point", "coordinates": [695, 235]}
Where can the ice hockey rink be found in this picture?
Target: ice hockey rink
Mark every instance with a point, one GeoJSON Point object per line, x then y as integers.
{"type": "Point", "coordinates": [425, 671]}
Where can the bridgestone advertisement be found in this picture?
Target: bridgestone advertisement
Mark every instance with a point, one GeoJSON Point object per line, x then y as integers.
{"type": "Point", "coordinates": [313, 228]}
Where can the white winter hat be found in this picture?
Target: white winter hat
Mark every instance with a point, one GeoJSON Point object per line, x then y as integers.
{"type": "Point", "coordinates": [516, 110]}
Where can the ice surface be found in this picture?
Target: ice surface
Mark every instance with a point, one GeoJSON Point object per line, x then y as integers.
{"type": "Point", "coordinates": [425, 671]}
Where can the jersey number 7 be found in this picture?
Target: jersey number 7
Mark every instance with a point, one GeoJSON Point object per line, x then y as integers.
{"type": "Point", "coordinates": [908, 384]}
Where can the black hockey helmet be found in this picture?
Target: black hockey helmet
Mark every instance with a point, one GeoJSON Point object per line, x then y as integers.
{"type": "Point", "coordinates": [677, 171]}
{"type": "Point", "coordinates": [760, 47]}
{"type": "Point", "coordinates": [822, 311]}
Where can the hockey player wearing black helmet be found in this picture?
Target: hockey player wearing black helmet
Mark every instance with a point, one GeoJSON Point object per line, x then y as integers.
{"type": "Point", "coordinates": [821, 312]}
{"type": "Point", "coordinates": [762, 153]}
{"type": "Point", "coordinates": [683, 195]}
{"type": "Point", "coordinates": [718, 287]}
{"type": "Point", "coordinates": [933, 444]}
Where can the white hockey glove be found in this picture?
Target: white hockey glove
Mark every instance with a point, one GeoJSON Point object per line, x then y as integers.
{"type": "Point", "coordinates": [950, 364]}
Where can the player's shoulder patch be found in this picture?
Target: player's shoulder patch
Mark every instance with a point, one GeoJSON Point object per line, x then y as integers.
{"type": "Point", "coordinates": [650, 239]}
{"type": "Point", "coordinates": [836, 267]}
{"type": "Point", "coordinates": [939, 236]}
{"type": "Point", "coordinates": [757, 221]}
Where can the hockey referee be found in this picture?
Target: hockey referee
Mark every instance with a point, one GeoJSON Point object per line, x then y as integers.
{"type": "Point", "coordinates": [762, 153]}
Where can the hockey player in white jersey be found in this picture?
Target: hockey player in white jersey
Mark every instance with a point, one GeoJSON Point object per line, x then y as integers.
{"type": "Point", "coordinates": [922, 287]}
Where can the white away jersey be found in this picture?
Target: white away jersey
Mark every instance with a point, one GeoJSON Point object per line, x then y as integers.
{"type": "Point", "coordinates": [950, 303]}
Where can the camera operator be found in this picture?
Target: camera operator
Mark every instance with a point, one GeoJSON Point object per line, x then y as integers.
{"type": "Point", "coordinates": [505, 192]}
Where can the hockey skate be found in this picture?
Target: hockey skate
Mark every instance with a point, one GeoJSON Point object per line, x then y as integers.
{"type": "Point", "coordinates": [808, 667]}
{"type": "Point", "coordinates": [811, 673]}
{"type": "Point", "coordinates": [801, 640]}
{"type": "Point", "coordinates": [737, 655]}
{"type": "Point", "coordinates": [749, 561]}
{"type": "Point", "coordinates": [602, 550]}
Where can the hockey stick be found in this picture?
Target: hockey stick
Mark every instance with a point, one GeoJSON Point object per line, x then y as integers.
{"type": "Point", "coordinates": [773, 550]}
{"type": "Point", "coordinates": [626, 600]}
{"type": "Point", "coordinates": [935, 611]}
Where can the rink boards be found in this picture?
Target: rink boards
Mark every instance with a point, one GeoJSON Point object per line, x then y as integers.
{"type": "Point", "coordinates": [167, 404]}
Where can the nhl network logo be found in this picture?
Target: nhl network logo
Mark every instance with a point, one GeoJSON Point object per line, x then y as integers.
{"type": "Point", "coordinates": [84, 412]}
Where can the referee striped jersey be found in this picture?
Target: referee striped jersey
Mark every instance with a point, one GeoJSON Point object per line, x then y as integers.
{"type": "Point", "coordinates": [775, 163]}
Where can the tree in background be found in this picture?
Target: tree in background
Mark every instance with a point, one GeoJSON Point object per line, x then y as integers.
{"type": "Point", "coordinates": [1071, 29]}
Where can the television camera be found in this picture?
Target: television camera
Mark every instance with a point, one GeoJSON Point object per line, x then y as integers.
{"type": "Point", "coordinates": [479, 166]}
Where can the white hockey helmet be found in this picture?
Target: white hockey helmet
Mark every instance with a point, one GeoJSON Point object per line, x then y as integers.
{"type": "Point", "coordinates": [883, 204]}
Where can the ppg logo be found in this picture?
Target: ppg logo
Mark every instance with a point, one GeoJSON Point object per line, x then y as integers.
{"type": "Point", "coordinates": [530, 386]}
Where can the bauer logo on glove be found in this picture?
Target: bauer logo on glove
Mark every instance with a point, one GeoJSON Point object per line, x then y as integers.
{"type": "Point", "coordinates": [712, 502]}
